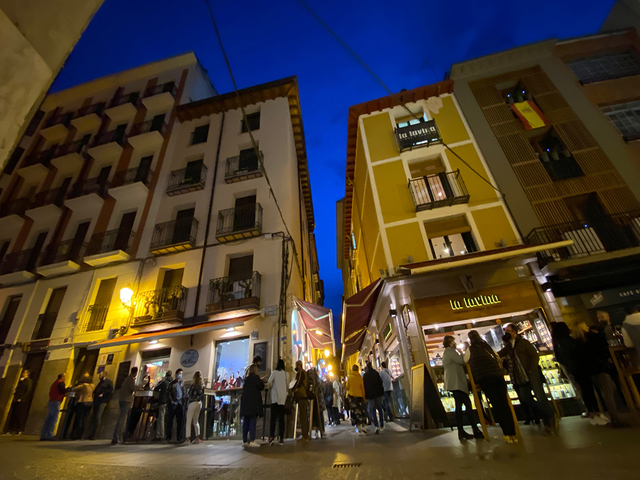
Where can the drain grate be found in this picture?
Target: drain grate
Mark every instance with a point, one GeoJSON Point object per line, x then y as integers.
{"type": "Point", "coordinates": [346, 465]}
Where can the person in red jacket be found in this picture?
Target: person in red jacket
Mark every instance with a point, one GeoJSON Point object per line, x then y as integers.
{"type": "Point", "coordinates": [56, 395]}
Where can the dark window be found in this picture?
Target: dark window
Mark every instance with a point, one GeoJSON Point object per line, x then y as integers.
{"type": "Point", "coordinates": [253, 119]}
{"type": "Point", "coordinates": [604, 67]}
{"type": "Point", "coordinates": [47, 320]}
{"type": "Point", "coordinates": [556, 157]}
{"type": "Point", "coordinates": [183, 225]}
{"type": "Point", "coordinates": [248, 160]}
{"type": "Point", "coordinates": [13, 160]}
{"type": "Point", "coordinates": [157, 122]}
{"type": "Point", "coordinates": [245, 213]}
{"type": "Point", "coordinates": [3, 250]}
{"type": "Point", "coordinates": [173, 278]}
{"type": "Point", "coordinates": [240, 268]}
{"type": "Point", "coordinates": [8, 316]}
{"type": "Point", "coordinates": [626, 118]}
{"type": "Point", "coordinates": [193, 171]}
{"type": "Point", "coordinates": [200, 134]}
{"type": "Point", "coordinates": [33, 124]}
{"type": "Point", "coordinates": [123, 237]}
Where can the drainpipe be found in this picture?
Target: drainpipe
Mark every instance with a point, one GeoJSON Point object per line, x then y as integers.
{"type": "Point", "coordinates": [206, 232]}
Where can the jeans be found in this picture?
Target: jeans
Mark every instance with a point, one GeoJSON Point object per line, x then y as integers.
{"type": "Point", "coordinates": [496, 390]}
{"type": "Point", "coordinates": [277, 416]}
{"type": "Point", "coordinates": [161, 431]}
{"type": "Point", "coordinates": [376, 405]}
{"type": "Point", "coordinates": [607, 390]}
{"type": "Point", "coordinates": [249, 428]}
{"type": "Point", "coordinates": [388, 405]}
{"type": "Point", "coordinates": [461, 398]}
{"type": "Point", "coordinates": [53, 409]}
{"type": "Point", "coordinates": [193, 416]}
{"type": "Point", "coordinates": [176, 411]}
{"type": "Point", "coordinates": [122, 419]}
{"type": "Point", "coordinates": [95, 424]}
{"type": "Point", "coordinates": [303, 408]}
{"type": "Point", "coordinates": [542, 404]}
{"type": "Point", "coordinates": [82, 413]}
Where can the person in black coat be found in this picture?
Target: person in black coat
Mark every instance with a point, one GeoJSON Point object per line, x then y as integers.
{"type": "Point", "coordinates": [374, 393]}
{"type": "Point", "coordinates": [251, 406]}
{"type": "Point", "coordinates": [162, 390]}
{"type": "Point", "coordinates": [101, 398]}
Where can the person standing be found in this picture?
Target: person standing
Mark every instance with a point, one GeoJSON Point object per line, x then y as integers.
{"type": "Point", "coordinates": [374, 393]}
{"type": "Point", "coordinates": [56, 396]}
{"type": "Point", "coordinates": [327, 392]}
{"type": "Point", "coordinates": [251, 406]}
{"type": "Point", "coordinates": [84, 393]}
{"type": "Point", "coordinates": [299, 390]}
{"type": "Point", "coordinates": [101, 398]}
{"type": "Point", "coordinates": [631, 332]}
{"type": "Point", "coordinates": [163, 399]}
{"type": "Point", "coordinates": [278, 382]}
{"type": "Point", "coordinates": [455, 381]}
{"type": "Point", "coordinates": [125, 397]}
{"type": "Point", "coordinates": [487, 372]}
{"type": "Point", "coordinates": [19, 405]}
{"type": "Point", "coordinates": [387, 383]}
{"type": "Point", "coordinates": [195, 397]}
{"type": "Point", "coordinates": [355, 396]}
{"type": "Point", "coordinates": [337, 401]}
{"type": "Point", "coordinates": [176, 408]}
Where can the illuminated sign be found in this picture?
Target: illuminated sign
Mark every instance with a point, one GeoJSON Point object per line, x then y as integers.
{"type": "Point", "coordinates": [475, 302]}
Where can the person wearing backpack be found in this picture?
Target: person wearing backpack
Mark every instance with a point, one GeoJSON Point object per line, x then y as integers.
{"type": "Point", "coordinates": [163, 399]}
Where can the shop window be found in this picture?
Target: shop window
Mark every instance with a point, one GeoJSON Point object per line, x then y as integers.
{"type": "Point", "coordinates": [155, 363]}
{"type": "Point", "coordinates": [7, 317]}
{"type": "Point", "coordinates": [523, 106]}
{"type": "Point", "coordinates": [253, 119]}
{"type": "Point", "coordinates": [556, 157]}
{"type": "Point", "coordinates": [606, 66]}
{"type": "Point", "coordinates": [450, 237]}
{"type": "Point", "coordinates": [200, 134]}
{"type": "Point", "coordinates": [232, 358]}
{"type": "Point", "coordinates": [626, 118]}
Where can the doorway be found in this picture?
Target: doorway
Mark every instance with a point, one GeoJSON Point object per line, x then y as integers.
{"type": "Point", "coordinates": [47, 320]}
{"type": "Point", "coordinates": [33, 363]}
{"type": "Point", "coordinates": [124, 231]}
{"type": "Point", "coordinates": [588, 210]}
{"type": "Point", "coordinates": [182, 228]}
{"type": "Point", "coordinates": [244, 215]}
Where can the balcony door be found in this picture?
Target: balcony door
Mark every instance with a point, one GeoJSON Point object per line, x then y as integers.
{"type": "Point", "coordinates": [588, 210]}
{"type": "Point", "coordinates": [103, 177]}
{"type": "Point", "coordinates": [7, 318]}
{"type": "Point", "coordinates": [75, 249]}
{"type": "Point", "coordinates": [124, 231]}
{"type": "Point", "coordinates": [47, 320]}
{"type": "Point", "coordinates": [98, 311]}
{"type": "Point", "coordinates": [142, 175]}
{"type": "Point", "coordinates": [171, 295]}
{"type": "Point", "coordinates": [157, 122]}
{"type": "Point", "coordinates": [240, 273]}
{"type": "Point", "coordinates": [193, 171]}
{"type": "Point", "coordinates": [182, 228]}
{"type": "Point", "coordinates": [173, 278]}
{"type": "Point", "coordinates": [248, 160]}
{"type": "Point", "coordinates": [35, 251]}
{"type": "Point", "coordinates": [62, 191]}
{"type": "Point", "coordinates": [244, 215]}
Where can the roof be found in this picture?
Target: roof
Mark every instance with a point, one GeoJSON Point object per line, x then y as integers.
{"type": "Point", "coordinates": [285, 87]}
{"type": "Point", "coordinates": [390, 101]}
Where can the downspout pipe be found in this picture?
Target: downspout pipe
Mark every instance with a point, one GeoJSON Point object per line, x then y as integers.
{"type": "Point", "coordinates": [206, 232]}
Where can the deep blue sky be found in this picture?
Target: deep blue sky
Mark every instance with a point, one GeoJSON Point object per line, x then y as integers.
{"type": "Point", "coordinates": [408, 44]}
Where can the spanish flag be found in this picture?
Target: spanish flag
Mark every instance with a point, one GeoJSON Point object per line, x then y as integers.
{"type": "Point", "coordinates": [530, 115]}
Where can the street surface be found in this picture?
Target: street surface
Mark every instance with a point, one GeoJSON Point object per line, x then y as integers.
{"type": "Point", "coordinates": [579, 451]}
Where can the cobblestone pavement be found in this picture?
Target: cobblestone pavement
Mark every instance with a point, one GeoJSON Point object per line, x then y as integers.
{"type": "Point", "coordinates": [579, 451]}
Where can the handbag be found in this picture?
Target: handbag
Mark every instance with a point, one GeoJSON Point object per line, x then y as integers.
{"type": "Point", "coordinates": [288, 404]}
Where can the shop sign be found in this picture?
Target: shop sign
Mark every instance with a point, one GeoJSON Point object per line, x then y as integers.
{"type": "Point", "coordinates": [474, 302]}
{"type": "Point", "coordinates": [189, 358]}
{"type": "Point", "coordinates": [421, 133]}
{"type": "Point", "coordinates": [613, 296]}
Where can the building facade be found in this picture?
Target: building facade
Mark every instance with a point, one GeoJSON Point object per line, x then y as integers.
{"type": "Point", "coordinates": [146, 231]}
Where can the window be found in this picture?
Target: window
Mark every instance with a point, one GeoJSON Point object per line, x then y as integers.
{"type": "Point", "coordinates": [155, 363]}
{"type": "Point", "coordinates": [626, 118]}
{"type": "Point", "coordinates": [253, 119]}
{"type": "Point", "coordinates": [517, 94]}
{"type": "Point", "coordinates": [605, 67]}
{"type": "Point", "coordinates": [200, 134]}
{"type": "Point", "coordinates": [232, 358]}
{"type": "Point", "coordinates": [97, 313]}
{"type": "Point", "coordinates": [450, 237]}
{"type": "Point", "coordinates": [13, 160]}
{"type": "Point", "coordinates": [411, 120]}
{"type": "Point", "coordinates": [8, 316]}
{"type": "Point", "coordinates": [556, 158]}
{"type": "Point", "coordinates": [523, 106]}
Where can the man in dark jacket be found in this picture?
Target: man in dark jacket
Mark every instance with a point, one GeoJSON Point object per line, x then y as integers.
{"type": "Point", "coordinates": [374, 393]}
{"type": "Point", "coordinates": [176, 408]}
{"type": "Point", "coordinates": [299, 390]}
{"type": "Point", "coordinates": [101, 398]}
{"type": "Point", "coordinates": [20, 404]}
{"type": "Point", "coordinates": [162, 390]}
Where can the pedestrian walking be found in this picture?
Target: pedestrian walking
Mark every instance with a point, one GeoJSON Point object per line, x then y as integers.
{"type": "Point", "coordinates": [84, 394]}
{"type": "Point", "coordinates": [125, 397]}
{"type": "Point", "coordinates": [374, 393]}
{"type": "Point", "coordinates": [487, 372]}
{"type": "Point", "coordinates": [278, 381]}
{"type": "Point", "coordinates": [455, 381]}
{"type": "Point", "coordinates": [299, 390]}
{"type": "Point", "coordinates": [57, 391]}
{"type": "Point", "coordinates": [176, 408]}
{"type": "Point", "coordinates": [195, 397]}
{"type": "Point", "coordinates": [162, 389]}
{"type": "Point", "coordinates": [355, 397]}
{"type": "Point", "coordinates": [337, 401]}
{"type": "Point", "coordinates": [101, 398]}
{"type": "Point", "coordinates": [327, 391]}
{"type": "Point", "coordinates": [20, 404]}
{"type": "Point", "coordinates": [387, 383]}
{"type": "Point", "coordinates": [251, 406]}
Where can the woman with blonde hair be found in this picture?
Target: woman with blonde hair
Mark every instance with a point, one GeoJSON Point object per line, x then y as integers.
{"type": "Point", "coordinates": [195, 397]}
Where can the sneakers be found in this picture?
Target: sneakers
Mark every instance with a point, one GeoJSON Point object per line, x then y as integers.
{"type": "Point", "coordinates": [196, 441]}
{"type": "Point", "coordinates": [245, 444]}
{"type": "Point", "coordinates": [599, 419]}
{"type": "Point", "coordinates": [382, 428]}
{"type": "Point", "coordinates": [253, 444]}
{"type": "Point", "coordinates": [281, 442]}
{"type": "Point", "coordinates": [362, 433]}
{"type": "Point", "coordinates": [7, 434]}
{"type": "Point", "coordinates": [377, 431]}
{"type": "Point", "coordinates": [272, 442]}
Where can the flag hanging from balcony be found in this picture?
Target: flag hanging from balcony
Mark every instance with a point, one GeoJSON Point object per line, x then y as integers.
{"type": "Point", "coordinates": [529, 114]}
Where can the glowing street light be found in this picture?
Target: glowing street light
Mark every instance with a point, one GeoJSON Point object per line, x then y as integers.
{"type": "Point", "coordinates": [327, 352]}
{"type": "Point", "coordinates": [126, 294]}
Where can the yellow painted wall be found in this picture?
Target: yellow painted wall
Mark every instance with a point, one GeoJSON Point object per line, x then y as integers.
{"type": "Point", "coordinates": [393, 192]}
{"type": "Point", "coordinates": [363, 267]}
{"type": "Point", "coordinates": [480, 191]}
{"type": "Point", "coordinates": [360, 173]}
{"type": "Point", "coordinates": [449, 122]}
{"type": "Point", "coordinates": [493, 225]}
{"type": "Point", "coordinates": [405, 240]}
{"type": "Point", "coordinates": [379, 261]}
{"type": "Point", "coordinates": [381, 138]}
{"type": "Point", "coordinates": [370, 227]}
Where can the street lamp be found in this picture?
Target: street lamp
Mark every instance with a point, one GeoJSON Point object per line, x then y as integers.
{"type": "Point", "coordinates": [327, 352]}
{"type": "Point", "coordinates": [126, 295]}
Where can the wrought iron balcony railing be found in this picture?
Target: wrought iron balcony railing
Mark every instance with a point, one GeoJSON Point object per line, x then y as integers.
{"type": "Point", "coordinates": [226, 294]}
{"type": "Point", "coordinates": [132, 175]}
{"type": "Point", "coordinates": [439, 190]}
{"type": "Point", "coordinates": [117, 136]}
{"type": "Point", "coordinates": [79, 146]}
{"type": "Point", "coordinates": [566, 167]}
{"type": "Point", "coordinates": [15, 207]}
{"type": "Point", "coordinates": [239, 219]}
{"type": "Point", "coordinates": [132, 98]}
{"type": "Point", "coordinates": [42, 157]}
{"type": "Point", "coordinates": [59, 119]}
{"type": "Point", "coordinates": [110, 241]}
{"type": "Point", "coordinates": [19, 261]}
{"type": "Point", "coordinates": [63, 251]}
{"type": "Point", "coordinates": [243, 167]}
{"type": "Point", "coordinates": [169, 87]}
{"type": "Point", "coordinates": [50, 197]}
{"type": "Point", "coordinates": [186, 180]}
{"type": "Point", "coordinates": [96, 185]}
{"type": "Point", "coordinates": [148, 126]}
{"type": "Point", "coordinates": [96, 108]}
{"type": "Point", "coordinates": [164, 304]}
{"type": "Point", "coordinates": [174, 235]}
{"type": "Point", "coordinates": [95, 318]}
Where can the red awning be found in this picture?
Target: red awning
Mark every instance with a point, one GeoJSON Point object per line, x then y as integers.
{"type": "Point", "coordinates": [358, 309]}
{"type": "Point", "coordinates": [317, 321]}
{"type": "Point", "coordinates": [353, 345]}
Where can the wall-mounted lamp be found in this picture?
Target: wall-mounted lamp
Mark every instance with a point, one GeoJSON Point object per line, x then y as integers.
{"type": "Point", "coordinates": [153, 342]}
{"type": "Point", "coordinates": [327, 352]}
{"type": "Point", "coordinates": [393, 313]}
{"type": "Point", "coordinates": [126, 296]}
{"type": "Point", "coordinates": [318, 332]}
{"type": "Point", "coordinates": [230, 329]}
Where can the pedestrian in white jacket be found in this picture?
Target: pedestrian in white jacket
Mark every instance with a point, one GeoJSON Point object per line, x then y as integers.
{"type": "Point", "coordinates": [278, 382]}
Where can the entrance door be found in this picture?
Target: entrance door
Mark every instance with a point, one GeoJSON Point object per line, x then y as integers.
{"type": "Point", "coordinates": [86, 362]}
{"type": "Point", "coordinates": [76, 245]}
{"type": "Point", "coordinates": [182, 228]}
{"type": "Point", "coordinates": [47, 320]}
{"type": "Point", "coordinates": [244, 216]}
{"type": "Point", "coordinates": [124, 231]}
{"type": "Point", "coordinates": [142, 175]}
{"type": "Point", "coordinates": [193, 171]}
{"type": "Point", "coordinates": [33, 363]}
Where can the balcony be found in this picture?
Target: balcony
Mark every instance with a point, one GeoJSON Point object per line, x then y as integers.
{"type": "Point", "coordinates": [18, 267]}
{"type": "Point", "coordinates": [46, 204]}
{"type": "Point", "coordinates": [87, 195]}
{"type": "Point", "coordinates": [70, 157]}
{"type": "Point", "coordinates": [241, 296]}
{"type": "Point", "coordinates": [88, 118]}
{"type": "Point", "coordinates": [239, 223]}
{"type": "Point", "coordinates": [131, 184]}
{"type": "Point", "coordinates": [95, 318]}
{"type": "Point", "coordinates": [147, 135]}
{"type": "Point", "coordinates": [35, 167]}
{"type": "Point", "coordinates": [604, 234]}
{"type": "Point", "coordinates": [160, 98]}
{"type": "Point", "coordinates": [60, 258]}
{"type": "Point", "coordinates": [439, 190]}
{"type": "Point", "coordinates": [161, 308]}
{"type": "Point", "coordinates": [109, 247]}
{"type": "Point", "coordinates": [56, 128]}
{"type": "Point", "coordinates": [186, 180]}
{"type": "Point", "coordinates": [15, 207]}
{"type": "Point", "coordinates": [420, 134]}
{"type": "Point", "coordinates": [566, 167]}
{"type": "Point", "coordinates": [239, 169]}
{"type": "Point", "coordinates": [108, 145]}
{"type": "Point", "coordinates": [123, 107]}
{"type": "Point", "coordinates": [174, 236]}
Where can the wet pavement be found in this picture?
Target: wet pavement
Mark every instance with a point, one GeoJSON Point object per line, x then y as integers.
{"type": "Point", "coordinates": [579, 451]}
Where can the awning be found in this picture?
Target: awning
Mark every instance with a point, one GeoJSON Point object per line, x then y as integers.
{"type": "Point", "coordinates": [358, 309]}
{"type": "Point", "coordinates": [170, 332]}
{"type": "Point", "coordinates": [353, 345]}
{"type": "Point", "coordinates": [318, 322]}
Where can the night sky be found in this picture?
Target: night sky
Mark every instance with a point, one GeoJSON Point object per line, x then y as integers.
{"type": "Point", "coordinates": [407, 44]}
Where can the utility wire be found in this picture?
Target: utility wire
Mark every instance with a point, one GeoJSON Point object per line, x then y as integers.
{"type": "Point", "coordinates": [317, 17]}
